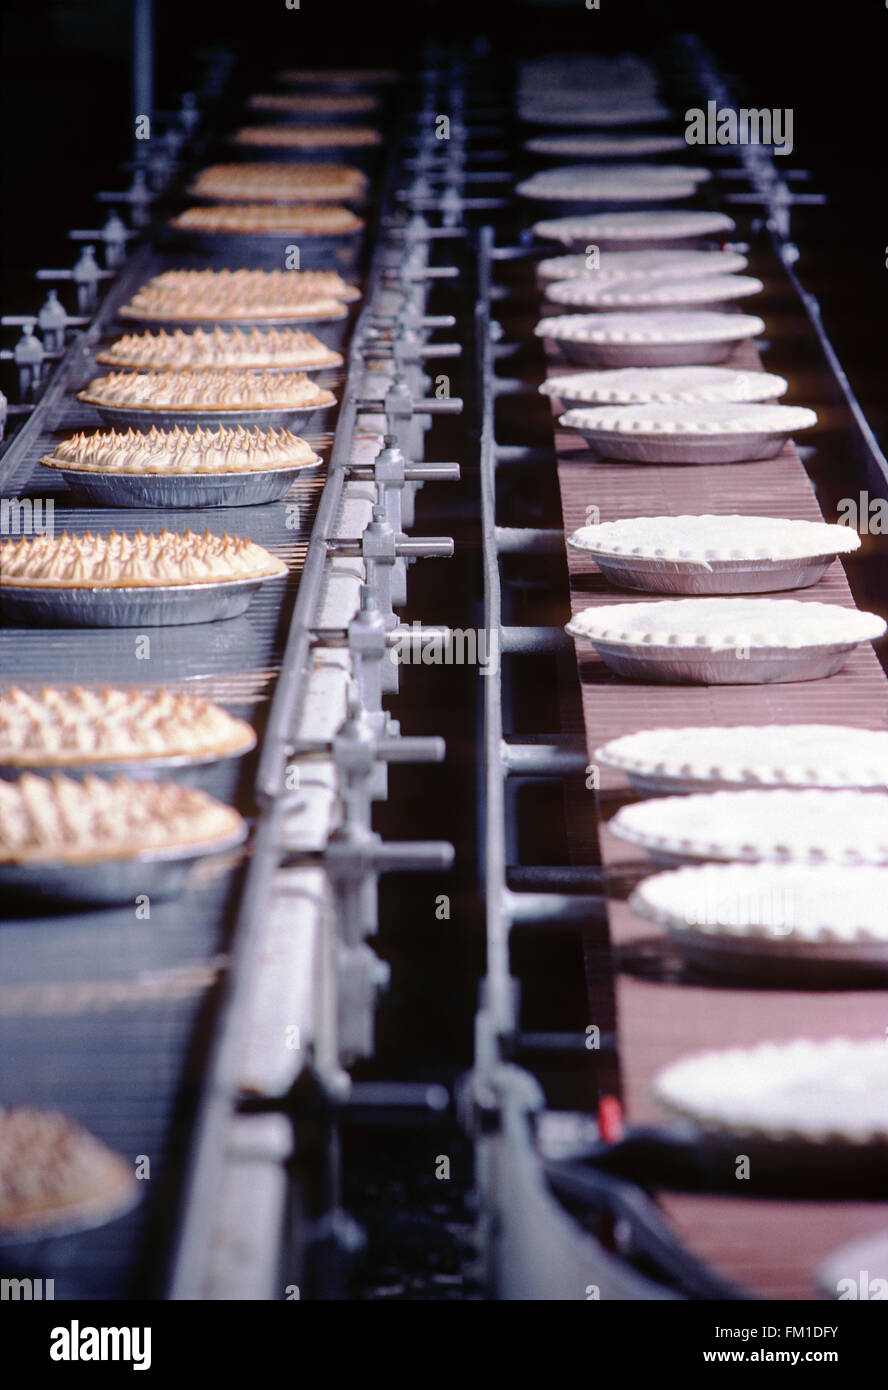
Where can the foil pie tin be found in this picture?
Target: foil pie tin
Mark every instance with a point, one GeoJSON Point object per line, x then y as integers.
{"type": "Point", "coordinates": [112, 881]}
{"type": "Point", "coordinates": [641, 354]}
{"type": "Point", "coordinates": [160, 606]}
{"type": "Point", "coordinates": [247, 489]}
{"type": "Point", "coordinates": [686, 448]}
{"type": "Point", "coordinates": [178, 767]}
{"type": "Point", "coordinates": [746, 576]}
{"type": "Point", "coordinates": [268, 250]}
{"type": "Point", "coordinates": [127, 417]}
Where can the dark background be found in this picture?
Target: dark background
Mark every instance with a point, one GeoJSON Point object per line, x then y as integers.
{"type": "Point", "coordinates": [66, 119]}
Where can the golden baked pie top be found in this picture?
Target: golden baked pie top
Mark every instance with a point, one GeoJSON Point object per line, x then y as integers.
{"type": "Point", "coordinates": [229, 388]}
{"type": "Point", "coordinates": [201, 295]}
{"type": "Point", "coordinates": [296, 219]}
{"type": "Point", "coordinates": [309, 136]}
{"type": "Point", "coordinates": [67, 727]}
{"type": "Point", "coordinates": [220, 347]}
{"type": "Point", "coordinates": [59, 819]}
{"type": "Point", "coordinates": [54, 1173]}
{"type": "Point", "coordinates": [292, 182]}
{"type": "Point", "coordinates": [318, 103]}
{"type": "Point", "coordinates": [228, 449]}
{"type": "Point", "coordinates": [122, 561]}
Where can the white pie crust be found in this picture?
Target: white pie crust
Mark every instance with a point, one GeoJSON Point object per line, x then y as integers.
{"type": "Point", "coordinates": [641, 385]}
{"type": "Point", "coordinates": [725, 641]}
{"type": "Point", "coordinates": [652, 293]}
{"type": "Point", "coordinates": [819, 1092]}
{"type": "Point", "coordinates": [848, 828]}
{"type": "Point", "coordinates": [638, 230]}
{"type": "Point", "coordinates": [689, 759]}
{"type": "Point", "coordinates": [614, 184]}
{"type": "Point", "coordinates": [598, 146]}
{"type": "Point", "coordinates": [715, 432]}
{"type": "Point", "coordinates": [652, 339]}
{"type": "Point", "coordinates": [620, 267]}
{"type": "Point", "coordinates": [816, 923]}
{"type": "Point", "coordinates": [713, 554]}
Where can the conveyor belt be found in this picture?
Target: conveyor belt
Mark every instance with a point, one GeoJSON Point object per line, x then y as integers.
{"type": "Point", "coordinates": [663, 1012]}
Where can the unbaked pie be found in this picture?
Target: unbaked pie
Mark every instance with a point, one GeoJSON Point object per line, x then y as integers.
{"type": "Point", "coordinates": [293, 183]}
{"type": "Point", "coordinates": [832, 1090]}
{"type": "Point", "coordinates": [715, 432]}
{"type": "Point", "coordinates": [612, 229]}
{"type": "Point", "coordinates": [308, 137]}
{"type": "Point", "coordinates": [679, 328]}
{"type": "Point", "coordinates": [663, 338]}
{"type": "Point", "coordinates": [578, 109]}
{"type": "Point", "coordinates": [760, 755]}
{"type": "Point", "coordinates": [66, 728]}
{"type": "Point", "coordinates": [653, 292]}
{"type": "Point", "coordinates": [60, 820]}
{"type": "Point", "coordinates": [848, 828]}
{"type": "Point", "coordinates": [217, 348]}
{"type": "Point", "coordinates": [733, 641]}
{"type": "Point", "coordinates": [625, 266]}
{"type": "Point", "coordinates": [639, 385]}
{"type": "Point", "coordinates": [197, 296]}
{"type": "Point", "coordinates": [159, 559]}
{"type": "Point", "coordinates": [598, 146]}
{"type": "Point", "coordinates": [615, 183]}
{"type": "Point", "coordinates": [56, 1177]}
{"type": "Point", "coordinates": [259, 219]}
{"type": "Point", "coordinates": [713, 554]}
{"type": "Point", "coordinates": [226, 389]}
{"type": "Point", "coordinates": [229, 449]}
{"type": "Point", "coordinates": [317, 104]}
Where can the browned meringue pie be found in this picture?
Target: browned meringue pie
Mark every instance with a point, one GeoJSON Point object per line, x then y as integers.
{"type": "Point", "coordinates": [308, 136]}
{"type": "Point", "coordinates": [121, 561]}
{"type": "Point", "coordinates": [69, 727]}
{"type": "Point", "coordinates": [229, 388]}
{"type": "Point", "coordinates": [228, 449]}
{"type": "Point", "coordinates": [54, 1175]}
{"type": "Point", "coordinates": [288, 219]}
{"type": "Point", "coordinates": [197, 296]}
{"type": "Point", "coordinates": [58, 819]}
{"type": "Point", "coordinates": [294, 183]}
{"type": "Point", "coordinates": [216, 348]}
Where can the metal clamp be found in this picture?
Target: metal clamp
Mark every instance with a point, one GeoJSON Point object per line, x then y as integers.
{"type": "Point", "coordinates": [86, 275]}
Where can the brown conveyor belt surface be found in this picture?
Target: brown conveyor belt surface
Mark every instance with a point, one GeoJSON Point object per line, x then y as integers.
{"type": "Point", "coordinates": [770, 1247]}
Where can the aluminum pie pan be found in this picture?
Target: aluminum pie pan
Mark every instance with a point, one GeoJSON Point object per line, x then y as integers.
{"type": "Point", "coordinates": [162, 873]}
{"type": "Point", "coordinates": [268, 250]}
{"type": "Point", "coordinates": [178, 767]}
{"type": "Point", "coordinates": [637, 354]}
{"type": "Point", "coordinates": [659, 576]}
{"type": "Point", "coordinates": [540, 208]}
{"type": "Point", "coordinates": [363, 157]}
{"type": "Point", "coordinates": [697, 241]}
{"type": "Point", "coordinates": [701, 665]}
{"type": "Point", "coordinates": [126, 417]}
{"type": "Point", "coordinates": [246, 489]}
{"type": "Point", "coordinates": [716, 303]}
{"type": "Point", "coordinates": [158, 606]}
{"type": "Point", "coordinates": [687, 448]}
{"type": "Point", "coordinates": [780, 962]}
{"type": "Point", "coordinates": [329, 329]}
